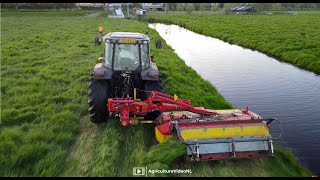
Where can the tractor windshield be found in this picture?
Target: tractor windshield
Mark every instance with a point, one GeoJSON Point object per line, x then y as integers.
{"type": "Point", "coordinates": [126, 57]}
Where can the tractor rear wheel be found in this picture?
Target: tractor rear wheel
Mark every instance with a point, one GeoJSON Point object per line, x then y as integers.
{"type": "Point", "coordinates": [148, 87]}
{"type": "Point", "coordinates": [99, 91]}
{"type": "Point", "coordinates": [152, 86]}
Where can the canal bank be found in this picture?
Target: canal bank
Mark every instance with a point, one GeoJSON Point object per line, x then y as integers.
{"type": "Point", "coordinates": [289, 38]}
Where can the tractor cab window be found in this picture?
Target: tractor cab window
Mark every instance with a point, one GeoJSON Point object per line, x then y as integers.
{"type": "Point", "coordinates": [145, 59]}
{"type": "Point", "coordinates": [108, 55]}
{"type": "Point", "coordinates": [126, 57]}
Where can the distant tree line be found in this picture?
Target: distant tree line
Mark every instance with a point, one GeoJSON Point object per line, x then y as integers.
{"type": "Point", "coordinates": [226, 6]}
{"type": "Point", "coordinates": [174, 6]}
{"type": "Point", "coordinates": [285, 6]}
{"type": "Point", "coordinates": [52, 6]}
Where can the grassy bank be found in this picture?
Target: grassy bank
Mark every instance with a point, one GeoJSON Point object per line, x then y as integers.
{"type": "Point", "coordinates": [291, 38]}
{"type": "Point", "coordinates": [45, 130]}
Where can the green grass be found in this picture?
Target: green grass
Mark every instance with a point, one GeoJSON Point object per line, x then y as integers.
{"type": "Point", "coordinates": [45, 130]}
{"type": "Point", "coordinates": [291, 38]}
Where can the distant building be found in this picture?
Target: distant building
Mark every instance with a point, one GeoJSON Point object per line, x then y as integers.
{"type": "Point", "coordinates": [153, 6]}
{"type": "Point", "coordinates": [117, 13]}
{"type": "Point", "coordinates": [243, 8]}
{"type": "Point", "coordinates": [112, 6]}
{"type": "Point", "coordinates": [90, 4]}
{"type": "Point", "coordinates": [141, 12]}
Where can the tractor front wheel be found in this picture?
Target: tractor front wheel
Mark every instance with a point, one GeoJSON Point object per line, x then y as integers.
{"type": "Point", "coordinates": [99, 91]}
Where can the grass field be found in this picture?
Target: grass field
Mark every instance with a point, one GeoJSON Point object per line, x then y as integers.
{"type": "Point", "coordinates": [291, 38]}
{"type": "Point", "coordinates": [45, 129]}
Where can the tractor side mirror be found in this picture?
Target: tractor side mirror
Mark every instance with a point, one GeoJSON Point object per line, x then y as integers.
{"type": "Point", "coordinates": [158, 44]}
{"type": "Point", "coordinates": [97, 41]}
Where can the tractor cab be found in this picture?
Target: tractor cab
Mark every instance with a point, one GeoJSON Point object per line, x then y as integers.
{"type": "Point", "coordinates": [126, 51]}
{"type": "Point", "coordinates": [125, 70]}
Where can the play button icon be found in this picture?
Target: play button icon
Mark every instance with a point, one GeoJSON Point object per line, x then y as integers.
{"type": "Point", "coordinates": [139, 171]}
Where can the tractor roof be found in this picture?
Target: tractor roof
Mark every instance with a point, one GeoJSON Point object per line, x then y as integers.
{"type": "Point", "coordinates": [132, 35]}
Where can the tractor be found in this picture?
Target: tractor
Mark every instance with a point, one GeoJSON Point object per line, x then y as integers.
{"type": "Point", "coordinates": [126, 84]}
{"type": "Point", "coordinates": [125, 65]}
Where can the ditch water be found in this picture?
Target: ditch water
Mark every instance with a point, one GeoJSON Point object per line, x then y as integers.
{"type": "Point", "coordinates": [267, 86]}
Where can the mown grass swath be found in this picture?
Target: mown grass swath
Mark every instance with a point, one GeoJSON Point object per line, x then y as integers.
{"type": "Point", "coordinates": [291, 38]}
{"type": "Point", "coordinates": [45, 130]}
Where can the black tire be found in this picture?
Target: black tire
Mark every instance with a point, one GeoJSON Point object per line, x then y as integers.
{"type": "Point", "coordinates": [148, 87]}
{"type": "Point", "coordinates": [152, 86]}
{"type": "Point", "coordinates": [99, 91]}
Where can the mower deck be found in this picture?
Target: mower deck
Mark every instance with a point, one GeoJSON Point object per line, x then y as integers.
{"type": "Point", "coordinates": [208, 134]}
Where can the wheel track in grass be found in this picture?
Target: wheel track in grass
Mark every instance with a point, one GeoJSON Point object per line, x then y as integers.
{"type": "Point", "coordinates": [92, 15]}
{"type": "Point", "coordinates": [107, 149]}
{"type": "Point", "coordinates": [79, 160]}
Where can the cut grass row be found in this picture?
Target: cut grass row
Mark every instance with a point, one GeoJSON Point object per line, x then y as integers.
{"type": "Point", "coordinates": [291, 38]}
{"type": "Point", "coordinates": [45, 130]}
